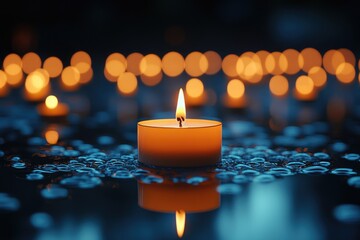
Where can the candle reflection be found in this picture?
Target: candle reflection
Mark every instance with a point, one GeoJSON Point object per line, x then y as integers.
{"type": "Point", "coordinates": [179, 198]}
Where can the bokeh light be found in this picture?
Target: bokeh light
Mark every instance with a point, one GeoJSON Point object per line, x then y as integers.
{"type": "Point", "coordinates": [279, 85]}
{"type": "Point", "coordinates": [348, 55]}
{"type": "Point", "coordinates": [30, 62]}
{"type": "Point", "coordinates": [196, 64]}
{"type": "Point", "coordinates": [262, 54]}
{"type": "Point", "coordinates": [70, 78]}
{"type": "Point", "coordinates": [115, 65]}
{"type": "Point", "coordinates": [133, 63]}
{"type": "Point", "coordinates": [36, 81]}
{"type": "Point", "coordinates": [276, 63]}
{"type": "Point", "coordinates": [150, 65]}
{"type": "Point", "coordinates": [194, 88]}
{"type": "Point", "coordinates": [304, 85]}
{"type": "Point", "coordinates": [54, 66]}
{"type": "Point", "coordinates": [311, 58]}
{"type": "Point", "coordinates": [229, 65]}
{"type": "Point", "coordinates": [318, 75]}
{"type": "Point", "coordinates": [214, 62]}
{"type": "Point", "coordinates": [332, 60]}
{"type": "Point", "coordinates": [249, 68]}
{"type": "Point", "coordinates": [127, 83]}
{"type": "Point", "coordinates": [345, 72]}
{"type": "Point", "coordinates": [81, 60]}
{"type": "Point", "coordinates": [295, 61]}
{"type": "Point", "coordinates": [235, 88]}
{"type": "Point", "coordinates": [151, 80]}
{"type": "Point", "coordinates": [51, 101]}
{"type": "Point", "coordinates": [173, 64]}
{"type": "Point", "coordinates": [51, 136]}
{"type": "Point", "coordinates": [3, 85]}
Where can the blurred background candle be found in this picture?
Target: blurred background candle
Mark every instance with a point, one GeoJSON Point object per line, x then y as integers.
{"type": "Point", "coordinates": [179, 142]}
{"type": "Point", "coordinates": [235, 94]}
{"type": "Point", "coordinates": [52, 108]}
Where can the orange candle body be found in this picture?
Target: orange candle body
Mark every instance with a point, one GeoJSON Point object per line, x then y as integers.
{"type": "Point", "coordinates": [163, 143]}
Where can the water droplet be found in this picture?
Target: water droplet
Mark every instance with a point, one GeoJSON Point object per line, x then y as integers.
{"type": "Point", "coordinates": [314, 170]}
{"type": "Point", "coordinates": [240, 179]}
{"type": "Point", "coordinates": [322, 156]}
{"type": "Point", "coordinates": [71, 153]}
{"type": "Point", "coordinates": [295, 165]}
{"type": "Point", "coordinates": [41, 220]}
{"type": "Point", "coordinates": [82, 181]}
{"type": "Point", "coordinates": [354, 181]}
{"type": "Point", "coordinates": [257, 160]}
{"type": "Point", "coordinates": [54, 192]}
{"type": "Point", "coordinates": [34, 176]}
{"type": "Point", "coordinates": [19, 165]}
{"type": "Point", "coordinates": [225, 175]}
{"type": "Point", "coordinates": [105, 140]}
{"type": "Point", "coordinates": [264, 178]}
{"type": "Point", "coordinates": [250, 172]}
{"type": "Point", "coordinates": [347, 213]}
{"type": "Point", "coordinates": [122, 174]}
{"type": "Point", "coordinates": [279, 171]}
{"type": "Point", "coordinates": [324, 163]}
{"type": "Point", "coordinates": [301, 157]}
{"type": "Point", "coordinates": [343, 171]}
{"type": "Point", "coordinates": [339, 147]}
{"type": "Point", "coordinates": [8, 203]}
{"type": "Point", "coordinates": [151, 179]}
{"type": "Point", "coordinates": [229, 188]}
{"type": "Point", "coordinates": [196, 180]}
{"type": "Point", "coordinates": [352, 156]}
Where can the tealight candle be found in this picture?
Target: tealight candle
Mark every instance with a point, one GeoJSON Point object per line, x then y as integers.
{"type": "Point", "coordinates": [52, 108]}
{"type": "Point", "coordinates": [179, 142]}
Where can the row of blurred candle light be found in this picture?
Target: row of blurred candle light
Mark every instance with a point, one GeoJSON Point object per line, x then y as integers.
{"type": "Point", "coordinates": [309, 64]}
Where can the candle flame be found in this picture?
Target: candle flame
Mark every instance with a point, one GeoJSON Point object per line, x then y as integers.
{"type": "Point", "coordinates": [180, 222]}
{"type": "Point", "coordinates": [180, 108]}
{"type": "Point", "coordinates": [51, 102]}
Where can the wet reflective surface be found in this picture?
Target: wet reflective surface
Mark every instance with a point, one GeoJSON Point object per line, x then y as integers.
{"type": "Point", "coordinates": [80, 179]}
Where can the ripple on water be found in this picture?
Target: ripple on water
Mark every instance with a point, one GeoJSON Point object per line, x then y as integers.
{"type": "Point", "coordinates": [264, 178]}
{"type": "Point", "coordinates": [229, 188]}
{"type": "Point", "coordinates": [240, 179]}
{"type": "Point", "coordinates": [347, 213]}
{"type": "Point", "coordinates": [19, 165]}
{"type": "Point", "coordinates": [196, 180]}
{"type": "Point", "coordinates": [81, 181]}
{"type": "Point", "coordinates": [352, 156]}
{"type": "Point", "coordinates": [122, 174]}
{"type": "Point", "coordinates": [8, 203]}
{"type": "Point", "coordinates": [279, 171]}
{"type": "Point", "coordinates": [54, 192]}
{"type": "Point", "coordinates": [34, 176]}
{"type": "Point", "coordinates": [315, 170]}
{"type": "Point", "coordinates": [151, 179]}
{"type": "Point", "coordinates": [354, 181]}
{"type": "Point", "coordinates": [343, 171]}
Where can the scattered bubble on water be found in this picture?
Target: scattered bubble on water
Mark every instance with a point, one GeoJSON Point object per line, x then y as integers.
{"type": "Point", "coordinates": [71, 153]}
{"type": "Point", "coordinates": [122, 174]}
{"type": "Point", "coordinates": [301, 157]}
{"type": "Point", "coordinates": [151, 179]}
{"type": "Point", "coordinates": [347, 213]}
{"type": "Point", "coordinates": [354, 181]}
{"type": "Point", "coordinates": [250, 172]}
{"type": "Point", "coordinates": [34, 176]}
{"type": "Point", "coordinates": [229, 188]}
{"type": "Point", "coordinates": [264, 178]}
{"type": "Point", "coordinates": [240, 179]}
{"type": "Point", "coordinates": [15, 159]}
{"type": "Point", "coordinates": [279, 171]}
{"type": "Point", "coordinates": [19, 165]}
{"type": "Point", "coordinates": [105, 140]}
{"type": "Point", "coordinates": [343, 171]}
{"type": "Point", "coordinates": [352, 156]}
{"type": "Point", "coordinates": [81, 181]}
{"type": "Point", "coordinates": [295, 165]}
{"type": "Point", "coordinates": [8, 203]}
{"type": "Point", "coordinates": [322, 156]}
{"type": "Point", "coordinates": [324, 163]}
{"type": "Point", "coordinates": [196, 180]}
{"type": "Point", "coordinates": [292, 131]}
{"type": "Point", "coordinates": [54, 192]}
{"type": "Point", "coordinates": [41, 220]}
{"type": "Point", "coordinates": [225, 175]}
{"type": "Point", "coordinates": [125, 148]}
{"type": "Point", "coordinates": [257, 160]}
{"type": "Point", "coordinates": [339, 147]}
{"type": "Point", "coordinates": [314, 170]}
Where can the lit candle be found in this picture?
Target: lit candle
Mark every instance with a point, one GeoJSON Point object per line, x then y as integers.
{"type": "Point", "coordinates": [235, 97]}
{"type": "Point", "coordinates": [52, 108]}
{"type": "Point", "coordinates": [179, 198]}
{"type": "Point", "coordinates": [179, 142]}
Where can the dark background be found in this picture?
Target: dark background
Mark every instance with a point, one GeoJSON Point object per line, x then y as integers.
{"type": "Point", "coordinates": [227, 26]}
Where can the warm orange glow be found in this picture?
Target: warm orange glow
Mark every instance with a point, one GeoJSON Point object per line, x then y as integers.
{"type": "Point", "coordinates": [30, 62]}
{"type": "Point", "coordinates": [70, 77]}
{"type": "Point", "coordinates": [173, 64]}
{"type": "Point", "coordinates": [51, 136]}
{"type": "Point", "coordinates": [345, 72]}
{"type": "Point", "coordinates": [115, 65]}
{"type": "Point", "coordinates": [249, 67]}
{"type": "Point", "coordinates": [279, 85]}
{"type": "Point", "coordinates": [196, 64]}
{"type": "Point", "coordinates": [214, 62]}
{"type": "Point", "coordinates": [133, 63]}
{"type": "Point", "coordinates": [150, 65]}
{"type": "Point", "coordinates": [336, 110]}
{"type": "Point", "coordinates": [304, 85]}
{"type": "Point", "coordinates": [235, 88]}
{"type": "Point", "coordinates": [12, 64]}
{"type": "Point", "coordinates": [53, 66]}
{"type": "Point", "coordinates": [311, 58]}
{"type": "Point", "coordinates": [348, 55]}
{"type": "Point", "coordinates": [51, 102]}
{"type": "Point", "coordinates": [81, 60]}
{"type": "Point", "coordinates": [262, 55]}
{"type": "Point", "coordinates": [36, 81]}
{"type": "Point", "coordinates": [295, 61]}
{"type": "Point", "coordinates": [87, 76]}
{"type": "Point", "coordinates": [194, 88]}
{"type": "Point", "coordinates": [127, 83]}
{"type": "Point", "coordinates": [332, 59]}
{"type": "Point", "coordinates": [151, 80]}
{"type": "Point", "coordinates": [180, 107]}
{"type": "Point", "coordinates": [229, 65]}
{"type": "Point", "coordinates": [318, 75]}
{"type": "Point", "coordinates": [15, 80]}
{"type": "Point", "coordinates": [180, 222]}
{"type": "Point", "coordinates": [276, 63]}
{"type": "Point", "coordinates": [3, 79]}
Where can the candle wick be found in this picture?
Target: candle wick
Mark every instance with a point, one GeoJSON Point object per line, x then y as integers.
{"type": "Point", "coordinates": [180, 120]}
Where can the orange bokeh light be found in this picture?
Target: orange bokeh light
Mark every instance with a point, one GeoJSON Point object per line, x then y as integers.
{"type": "Point", "coordinates": [53, 66]}
{"type": "Point", "coordinates": [311, 58]}
{"type": "Point", "coordinates": [229, 65]}
{"type": "Point", "coordinates": [81, 60]}
{"type": "Point", "coordinates": [214, 62]}
{"type": "Point", "coordinates": [51, 136]}
{"type": "Point", "coordinates": [150, 65]}
{"type": "Point", "coordinates": [262, 54]}
{"type": "Point", "coordinates": [151, 80]}
{"type": "Point", "coordinates": [304, 85]}
{"type": "Point", "coordinates": [194, 88]}
{"type": "Point", "coordinates": [235, 88]}
{"type": "Point", "coordinates": [318, 75]}
{"type": "Point", "coordinates": [295, 61]}
{"type": "Point", "coordinates": [173, 64]}
{"type": "Point", "coordinates": [248, 67]}
{"type": "Point", "coordinates": [115, 65]}
{"type": "Point", "coordinates": [332, 60]}
{"type": "Point", "coordinates": [279, 85]}
{"type": "Point", "coordinates": [345, 72]}
{"type": "Point", "coordinates": [348, 55]}
{"type": "Point", "coordinates": [36, 81]}
{"type": "Point", "coordinates": [196, 64]}
{"type": "Point", "coordinates": [276, 63]}
{"type": "Point", "coordinates": [30, 62]}
{"type": "Point", "coordinates": [133, 63]}
{"type": "Point", "coordinates": [70, 78]}
{"type": "Point", "coordinates": [127, 83]}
